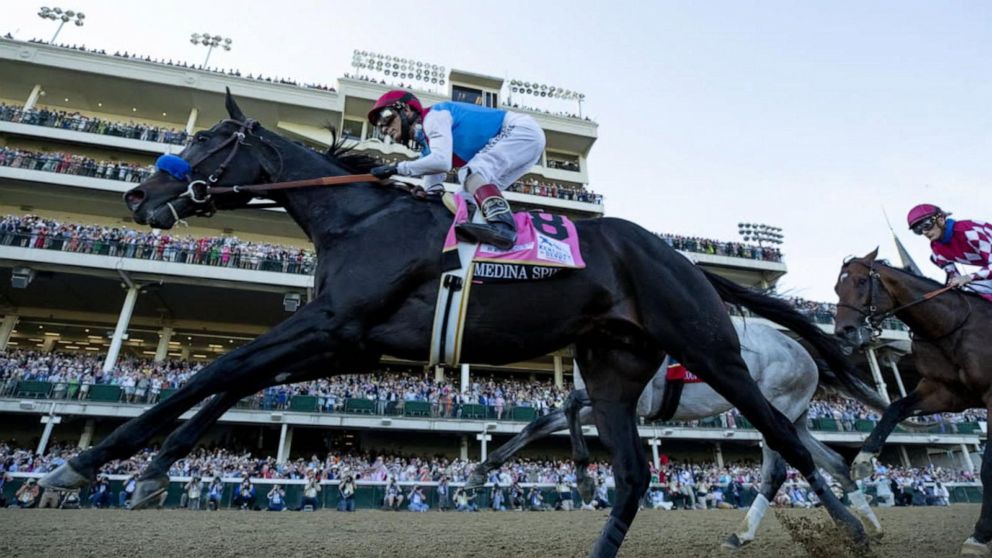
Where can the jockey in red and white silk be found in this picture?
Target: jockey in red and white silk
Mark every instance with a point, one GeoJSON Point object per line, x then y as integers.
{"type": "Point", "coordinates": [492, 147]}
{"type": "Point", "coordinates": [957, 242]}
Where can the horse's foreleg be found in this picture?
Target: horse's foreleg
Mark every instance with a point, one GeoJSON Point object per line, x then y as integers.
{"type": "Point", "coordinates": [978, 543]}
{"type": "Point", "coordinates": [585, 484]}
{"type": "Point", "coordinates": [773, 472]}
{"type": "Point", "coordinates": [832, 462]}
{"type": "Point", "coordinates": [309, 331]}
{"type": "Point", "coordinates": [536, 430]}
{"type": "Point", "coordinates": [862, 466]}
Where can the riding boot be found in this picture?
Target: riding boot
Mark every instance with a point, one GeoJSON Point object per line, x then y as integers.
{"type": "Point", "coordinates": [499, 230]}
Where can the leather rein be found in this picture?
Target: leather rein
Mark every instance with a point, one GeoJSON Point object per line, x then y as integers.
{"type": "Point", "coordinates": [201, 192]}
{"type": "Point", "coordinates": [874, 321]}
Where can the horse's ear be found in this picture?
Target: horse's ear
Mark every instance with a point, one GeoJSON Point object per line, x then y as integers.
{"type": "Point", "coordinates": [233, 110]}
{"type": "Point", "coordinates": [872, 255]}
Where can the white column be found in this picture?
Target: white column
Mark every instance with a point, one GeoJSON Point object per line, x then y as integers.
{"type": "Point", "coordinates": [655, 458]}
{"type": "Point", "coordinates": [162, 351]}
{"type": "Point", "coordinates": [966, 455]}
{"type": "Point", "coordinates": [438, 373]}
{"type": "Point", "coordinates": [285, 443]}
{"type": "Point", "coordinates": [6, 328]}
{"type": "Point", "coordinates": [87, 437]}
{"type": "Point", "coordinates": [122, 322]}
{"type": "Point", "coordinates": [48, 344]}
{"type": "Point", "coordinates": [876, 373]}
{"type": "Point", "coordinates": [718, 451]}
{"type": "Point", "coordinates": [191, 121]}
{"type": "Point", "coordinates": [483, 438]}
{"type": "Point", "coordinates": [463, 447]}
{"type": "Point", "coordinates": [559, 372]}
{"type": "Point", "coordinates": [465, 378]}
{"type": "Point", "coordinates": [33, 97]}
{"type": "Point", "coordinates": [895, 372]}
{"type": "Point", "coordinates": [49, 421]}
{"type": "Point", "coordinates": [184, 352]}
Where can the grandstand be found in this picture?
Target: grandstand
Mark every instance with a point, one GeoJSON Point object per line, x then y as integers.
{"type": "Point", "coordinates": [102, 317]}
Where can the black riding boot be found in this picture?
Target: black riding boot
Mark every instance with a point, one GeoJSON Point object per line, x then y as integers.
{"type": "Point", "coordinates": [500, 230]}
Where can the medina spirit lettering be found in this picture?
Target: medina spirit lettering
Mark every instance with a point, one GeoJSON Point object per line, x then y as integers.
{"type": "Point", "coordinates": [488, 272]}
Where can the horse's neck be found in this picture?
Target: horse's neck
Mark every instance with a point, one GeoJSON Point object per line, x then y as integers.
{"type": "Point", "coordinates": [931, 318]}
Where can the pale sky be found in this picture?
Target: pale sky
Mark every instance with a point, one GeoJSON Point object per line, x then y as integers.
{"type": "Point", "coordinates": [811, 116]}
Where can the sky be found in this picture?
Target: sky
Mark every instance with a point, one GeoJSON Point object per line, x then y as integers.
{"type": "Point", "coordinates": [812, 116]}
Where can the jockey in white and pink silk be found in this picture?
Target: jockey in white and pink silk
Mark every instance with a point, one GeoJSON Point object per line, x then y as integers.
{"type": "Point", "coordinates": [492, 147]}
{"type": "Point", "coordinates": [956, 242]}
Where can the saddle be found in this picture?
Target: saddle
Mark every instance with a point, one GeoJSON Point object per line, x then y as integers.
{"type": "Point", "coordinates": [547, 244]}
{"type": "Point", "coordinates": [676, 377]}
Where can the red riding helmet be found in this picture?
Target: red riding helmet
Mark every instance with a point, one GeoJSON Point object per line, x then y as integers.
{"type": "Point", "coordinates": [921, 212]}
{"type": "Point", "coordinates": [395, 99]}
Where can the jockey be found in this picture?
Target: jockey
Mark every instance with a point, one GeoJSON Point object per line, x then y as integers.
{"type": "Point", "coordinates": [493, 147]}
{"type": "Point", "coordinates": [954, 242]}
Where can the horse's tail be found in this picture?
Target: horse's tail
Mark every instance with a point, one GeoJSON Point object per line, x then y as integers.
{"type": "Point", "coordinates": [862, 392]}
{"type": "Point", "coordinates": [843, 372]}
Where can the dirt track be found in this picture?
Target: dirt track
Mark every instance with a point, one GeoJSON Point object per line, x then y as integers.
{"type": "Point", "coordinates": [911, 532]}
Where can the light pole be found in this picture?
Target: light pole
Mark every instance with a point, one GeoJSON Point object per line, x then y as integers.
{"type": "Point", "coordinates": [760, 233]}
{"type": "Point", "coordinates": [62, 16]}
{"type": "Point", "coordinates": [210, 41]}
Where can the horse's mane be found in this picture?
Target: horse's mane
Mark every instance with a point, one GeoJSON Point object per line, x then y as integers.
{"type": "Point", "coordinates": [344, 156]}
{"type": "Point", "coordinates": [931, 283]}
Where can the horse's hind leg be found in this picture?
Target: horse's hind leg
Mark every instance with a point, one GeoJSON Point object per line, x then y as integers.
{"type": "Point", "coordinates": [536, 430]}
{"type": "Point", "coordinates": [772, 477]}
{"type": "Point", "coordinates": [578, 401]}
{"type": "Point", "coordinates": [615, 379]}
{"type": "Point", "coordinates": [308, 332]}
{"type": "Point", "coordinates": [978, 543]}
{"type": "Point", "coordinates": [833, 463]}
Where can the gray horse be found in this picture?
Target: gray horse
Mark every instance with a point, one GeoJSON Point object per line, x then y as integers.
{"type": "Point", "coordinates": [786, 374]}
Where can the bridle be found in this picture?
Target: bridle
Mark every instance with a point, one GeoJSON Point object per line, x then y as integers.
{"type": "Point", "coordinates": [873, 321]}
{"type": "Point", "coordinates": [201, 192]}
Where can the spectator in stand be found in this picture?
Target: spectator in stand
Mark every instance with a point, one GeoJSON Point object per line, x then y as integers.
{"type": "Point", "coordinates": [67, 163]}
{"type": "Point", "coordinates": [535, 499]}
{"type": "Point", "coordinates": [77, 122]}
{"type": "Point", "coordinates": [127, 491]}
{"type": "Point", "coordinates": [464, 501]}
{"type": "Point", "coordinates": [443, 495]}
{"type": "Point", "coordinates": [564, 492]}
{"type": "Point", "coordinates": [394, 496]}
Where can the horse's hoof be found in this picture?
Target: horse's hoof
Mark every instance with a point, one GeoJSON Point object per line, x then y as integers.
{"type": "Point", "coordinates": [971, 547]}
{"type": "Point", "coordinates": [734, 542]}
{"type": "Point", "coordinates": [65, 477]}
{"type": "Point", "coordinates": [149, 491]}
{"type": "Point", "coordinates": [862, 467]}
{"type": "Point", "coordinates": [475, 480]}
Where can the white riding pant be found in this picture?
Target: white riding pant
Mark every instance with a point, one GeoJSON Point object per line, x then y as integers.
{"type": "Point", "coordinates": [510, 154]}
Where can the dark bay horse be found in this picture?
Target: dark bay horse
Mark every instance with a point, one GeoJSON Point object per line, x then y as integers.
{"type": "Point", "coordinates": [379, 262]}
{"type": "Point", "coordinates": [952, 351]}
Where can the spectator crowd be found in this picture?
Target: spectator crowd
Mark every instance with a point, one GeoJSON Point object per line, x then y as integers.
{"type": "Point", "coordinates": [79, 123]}
{"type": "Point", "coordinates": [78, 165]}
{"type": "Point", "coordinates": [721, 248]}
{"type": "Point", "coordinates": [31, 231]}
{"type": "Point", "coordinates": [550, 189]}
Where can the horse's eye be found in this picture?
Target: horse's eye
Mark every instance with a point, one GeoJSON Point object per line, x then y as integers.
{"type": "Point", "coordinates": [201, 137]}
{"type": "Point", "coordinates": [862, 281]}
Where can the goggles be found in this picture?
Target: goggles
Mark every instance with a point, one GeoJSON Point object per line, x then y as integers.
{"type": "Point", "coordinates": [385, 117]}
{"type": "Point", "coordinates": [925, 225]}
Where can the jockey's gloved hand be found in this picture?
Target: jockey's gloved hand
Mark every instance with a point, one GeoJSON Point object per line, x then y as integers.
{"type": "Point", "coordinates": [383, 172]}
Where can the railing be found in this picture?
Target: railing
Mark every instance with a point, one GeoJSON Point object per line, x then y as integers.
{"type": "Point", "coordinates": [174, 252]}
{"type": "Point", "coordinates": [323, 404]}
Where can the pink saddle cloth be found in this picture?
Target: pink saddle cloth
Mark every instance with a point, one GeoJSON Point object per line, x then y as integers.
{"type": "Point", "coordinates": [543, 239]}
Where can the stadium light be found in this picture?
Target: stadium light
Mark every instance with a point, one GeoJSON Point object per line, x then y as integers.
{"type": "Point", "coordinates": [760, 233]}
{"type": "Point", "coordinates": [210, 41]}
{"type": "Point", "coordinates": [61, 16]}
{"type": "Point", "coordinates": [547, 91]}
{"type": "Point", "coordinates": [395, 67]}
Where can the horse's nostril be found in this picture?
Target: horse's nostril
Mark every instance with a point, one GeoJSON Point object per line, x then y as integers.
{"type": "Point", "coordinates": [133, 198]}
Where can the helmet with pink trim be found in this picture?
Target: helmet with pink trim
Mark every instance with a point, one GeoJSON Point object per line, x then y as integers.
{"type": "Point", "coordinates": [921, 212]}
{"type": "Point", "coordinates": [395, 99]}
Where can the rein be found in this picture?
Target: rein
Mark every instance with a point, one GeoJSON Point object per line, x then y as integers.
{"type": "Point", "coordinates": [292, 184]}
{"type": "Point", "coordinates": [874, 321]}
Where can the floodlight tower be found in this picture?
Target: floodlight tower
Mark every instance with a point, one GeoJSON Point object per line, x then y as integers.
{"type": "Point", "coordinates": [61, 16]}
{"type": "Point", "coordinates": [760, 233]}
{"type": "Point", "coordinates": [210, 41]}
